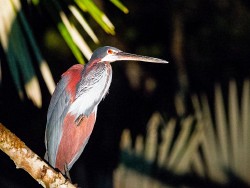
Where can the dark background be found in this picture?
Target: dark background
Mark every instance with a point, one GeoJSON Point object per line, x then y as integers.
{"type": "Point", "coordinates": [215, 48]}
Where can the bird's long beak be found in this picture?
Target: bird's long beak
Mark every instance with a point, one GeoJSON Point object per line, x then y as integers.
{"type": "Point", "coordinates": [121, 56]}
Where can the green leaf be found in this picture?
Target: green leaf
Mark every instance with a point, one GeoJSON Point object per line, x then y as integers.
{"type": "Point", "coordinates": [119, 5]}
{"type": "Point", "coordinates": [35, 2]}
{"type": "Point", "coordinates": [83, 23]}
{"type": "Point", "coordinates": [97, 14]}
{"type": "Point", "coordinates": [14, 71]}
{"type": "Point", "coordinates": [46, 73]}
{"type": "Point", "coordinates": [65, 34]}
{"type": "Point", "coordinates": [63, 30]}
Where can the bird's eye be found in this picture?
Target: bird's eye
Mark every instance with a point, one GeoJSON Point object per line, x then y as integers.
{"type": "Point", "coordinates": [110, 51]}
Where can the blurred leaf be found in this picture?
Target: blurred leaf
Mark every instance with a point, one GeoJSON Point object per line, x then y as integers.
{"type": "Point", "coordinates": [202, 144]}
{"type": "Point", "coordinates": [83, 23]}
{"type": "Point", "coordinates": [76, 37]}
{"type": "Point", "coordinates": [46, 73]}
{"type": "Point", "coordinates": [35, 2]}
{"type": "Point", "coordinates": [17, 52]}
{"type": "Point", "coordinates": [63, 30]}
{"type": "Point", "coordinates": [19, 46]}
{"type": "Point", "coordinates": [21, 49]}
{"type": "Point", "coordinates": [119, 5]}
{"type": "Point", "coordinates": [65, 34]}
{"type": "Point", "coordinates": [97, 14]}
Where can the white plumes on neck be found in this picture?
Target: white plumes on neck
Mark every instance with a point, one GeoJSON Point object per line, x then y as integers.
{"type": "Point", "coordinates": [87, 101]}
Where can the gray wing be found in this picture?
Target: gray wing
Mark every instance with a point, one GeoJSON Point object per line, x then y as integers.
{"type": "Point", "coordinates": [57, 111]}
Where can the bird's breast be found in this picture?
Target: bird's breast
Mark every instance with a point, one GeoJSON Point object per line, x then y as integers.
{"type": "Point", "coordinates": [92, 88]}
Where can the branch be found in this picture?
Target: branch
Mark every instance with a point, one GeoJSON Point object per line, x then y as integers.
{"type": "Point", "coordinates": [26, 159]}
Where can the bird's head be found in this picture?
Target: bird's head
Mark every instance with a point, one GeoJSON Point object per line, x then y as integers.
{"type": "Point", "coordinates": [106, 53]}
{"type": "Point", "coordinates": [111, 54]}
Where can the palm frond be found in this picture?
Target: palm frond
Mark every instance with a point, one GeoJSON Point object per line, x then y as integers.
{"type": "Point", "coordinates": [119, 5]}
{"type": "Point", "coordinates": [15, 46]}
{"type": "Point", "coordinates": [22, 51]}
{"type": "Point", "coordinates": [97, 14]}
{"type": "Point", "coordinates": [214, 147]}
{"type": "Point", "coordinates": [83, 23]}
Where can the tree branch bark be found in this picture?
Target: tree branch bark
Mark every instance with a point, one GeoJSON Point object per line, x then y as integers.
{"type": "Point", "coordinates": [26, 159]}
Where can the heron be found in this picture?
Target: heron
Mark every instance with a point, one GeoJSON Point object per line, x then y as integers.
{"type": "Point", "coordinates": [73, 107]}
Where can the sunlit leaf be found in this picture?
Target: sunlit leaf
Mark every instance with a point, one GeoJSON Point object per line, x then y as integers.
{"type": "Point", "coordinates": [83, 23]}
{"type": "Point", "coordinates": [25, 66]}
{"type": "Point", "coordinates": [64, 31]}
{"type": "Point", "coordinates": [119, 5]}
{"type": "Point", "coordinates": [46, 73]}
{"type": "Point", "coordinates": [74, 34]}
{"type": "Point", "coordinates": [97, 14]}
{"type": "Point", "coordinates": [22, 51]}
{"type": "Point", "coordinates": [17, 51]}
{"type": "Point", "coordinates": [65, 34]}
{"type": "Point", "coordinates": [76, 37]}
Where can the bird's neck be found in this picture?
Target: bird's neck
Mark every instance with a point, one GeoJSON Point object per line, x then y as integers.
{"type": "Point", "coordinates": [92, 64]}
{"type": "Point", "coordinates": [92, 74]}
{"type": "Point", "coordinates": [92, 89]}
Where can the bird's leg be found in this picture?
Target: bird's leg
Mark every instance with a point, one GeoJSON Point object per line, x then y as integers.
{"type": "Point", "coordinates": [67, 171]}
{"type": "Point", "coordinates": [79, 119]}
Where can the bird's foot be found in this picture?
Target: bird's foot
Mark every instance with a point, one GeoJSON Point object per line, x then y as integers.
{"type": "Point", "coordinates": [67, 172]}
